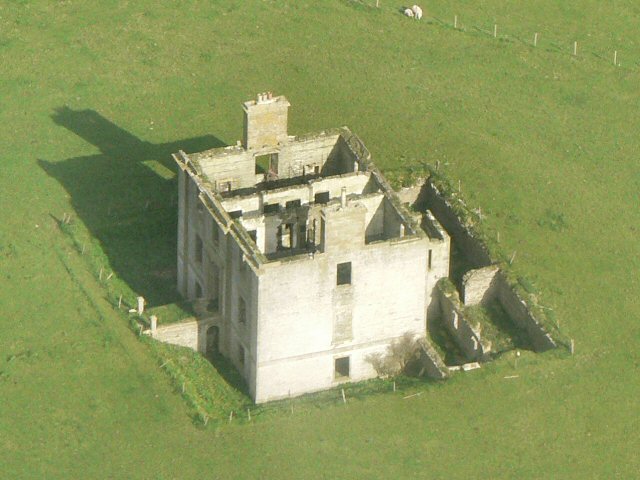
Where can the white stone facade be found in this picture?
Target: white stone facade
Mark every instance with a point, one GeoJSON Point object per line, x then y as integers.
{"type": "Point", "coordinates": [304, 253]}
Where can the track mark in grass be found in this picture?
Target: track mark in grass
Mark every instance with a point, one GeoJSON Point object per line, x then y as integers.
{"type": "Point", "coordinates": [412, 395]}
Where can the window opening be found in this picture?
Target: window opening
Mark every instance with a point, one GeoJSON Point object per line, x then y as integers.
{"type": "Point", "coordinates": [214, 233]}
{"type": "Point", "coordinates": [292, 204]}
{"type": "Point", "coordinates": [322, 197]}
{"type": "Point", "coordinates": [343, 276]}
{"type": "Point", "coordinates": [271, 208]}
{"type": "Point", "coordinates": [267, 163]}
{"type": "Point", "coordinates": [341, 367]}
{"type": "Point", "coordinates": [199, 249]}
{"type": "Point", "coordinates": [242, 311]}
{"type": "Point", "coordinates": [302, 235]}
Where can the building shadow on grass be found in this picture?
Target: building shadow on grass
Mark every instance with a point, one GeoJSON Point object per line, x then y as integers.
{"type": "Point", "coordinates": [126, 195]}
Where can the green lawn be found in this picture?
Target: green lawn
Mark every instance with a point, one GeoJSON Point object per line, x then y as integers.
{"type": "Point", "coordinates": [94, 96]}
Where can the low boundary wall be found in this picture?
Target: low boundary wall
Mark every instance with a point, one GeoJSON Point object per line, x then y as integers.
{"type": "Point", "coordinates": [189, 333]}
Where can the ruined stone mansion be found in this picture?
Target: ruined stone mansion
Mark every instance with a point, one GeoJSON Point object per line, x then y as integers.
{"type": "Point", "coordinates": [300, 255]}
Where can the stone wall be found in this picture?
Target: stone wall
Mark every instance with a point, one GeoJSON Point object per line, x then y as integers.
{"type": "Point", "coordinates": [304, 154]}
{"type": "Point", "coordinates": [438, 254]}
{"type": "Point", "coordinates": [479, 285]}
{"type": "Point", "coordinates": [189, 333]}
{"type": "Point", "coordinates": [355, 183]}
{"type": "Point", "coordinates": [410, 194]}
{"type": "Point", "coordinates": [466, 337]}
{"type": "Point", "coordinates": [265, 121]}
{"type": "Point", "coordinates": [521, 315]}
{"type": "Point", "coordinates": [474, 250]}
{"type": "Point", "coordinates": [229, 165]}
{"type": "Point", "coordinates": [433, 365]}
{"type": "Point", "coordinates": [301, 306]}
{"type": "Point", "coordinates": [343, 225]}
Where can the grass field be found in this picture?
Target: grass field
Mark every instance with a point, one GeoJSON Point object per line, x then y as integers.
{"type": "Point", "coordinates": [94, 96]}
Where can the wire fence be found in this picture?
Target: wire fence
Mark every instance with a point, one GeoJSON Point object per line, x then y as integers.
{"type": "Point", "coordinates": [544, 39]}
{"type": "Point", "coordinates": [573, 44]}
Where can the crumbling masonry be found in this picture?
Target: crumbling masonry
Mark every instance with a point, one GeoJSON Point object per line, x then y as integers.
{"type": "Point", "coordinates": [301, 256]}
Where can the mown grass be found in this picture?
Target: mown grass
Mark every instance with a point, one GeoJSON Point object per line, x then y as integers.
{"type": "Point", "coordinates": [93, 94]}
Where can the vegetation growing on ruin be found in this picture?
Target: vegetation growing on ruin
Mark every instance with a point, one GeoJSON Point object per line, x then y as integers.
{"type": "Point", "coordinates": [95, 93]}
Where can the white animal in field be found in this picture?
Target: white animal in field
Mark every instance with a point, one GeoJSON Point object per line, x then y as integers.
{"type": "Point", "coordinates": [417, 12]}
{"type": "Point", "coordinates": [408, 12]}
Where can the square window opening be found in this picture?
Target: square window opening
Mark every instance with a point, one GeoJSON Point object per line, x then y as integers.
{"type": "Point", "coordinates": [322, 197]}
{"type": "Point", "coordinates": [341, 368]}
{"type": "Point", "coordinates": [292, 204]}
{"type": "Point", "coordinates": [343, 274]}
{"type": "Point", "coordinates": [271, 208]}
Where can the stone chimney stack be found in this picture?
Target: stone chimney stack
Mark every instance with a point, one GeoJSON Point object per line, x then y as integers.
{"type": "Point", "coordinates": [265, 121]}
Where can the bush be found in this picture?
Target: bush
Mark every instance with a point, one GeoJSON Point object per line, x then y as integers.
{"type": "Point", "coordinates": [399, 354]}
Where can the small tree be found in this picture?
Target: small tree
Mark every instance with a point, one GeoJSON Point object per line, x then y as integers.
{"type": "Point", "coordinates": [399, 353]}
